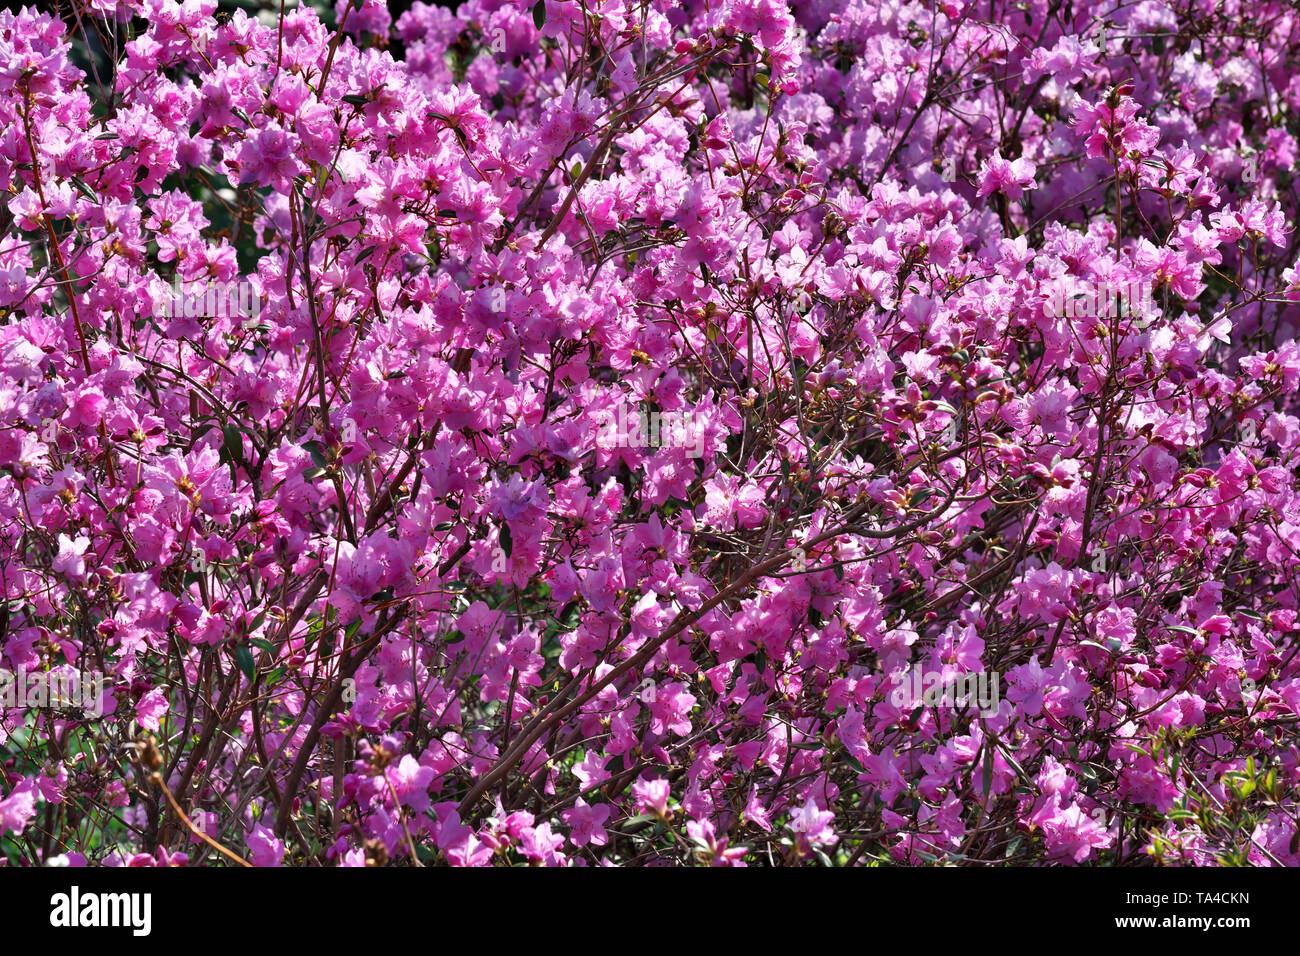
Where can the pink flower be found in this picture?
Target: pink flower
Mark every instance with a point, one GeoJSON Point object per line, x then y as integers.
{"type": "Point", "coordinates": [1009, 177]}
{"type": "Point", "coordinates": [149, 710]}
{"type": "Point", "coordinates": [19, 807]}
{"type": "Point", "coordinates": [265, 848]}
{"type": "Point", "coordinates": [540, 845]}
{"type": "Point", "coordinates": [410, 781]}
{"type": "Point", "coordinates": [712, 848]}
{"type": "Point", "coordinates": [1028, 685]}
{"type": "Point", "coordinates": [812, 826]}
{"type": "Point", "coordinates": [670, 709]}
{"type": "Point", "coordinates": [587, 823]}
{"type": "Point", "coordinates": [1111, 126]}
{"type": "Point", "coordinates": [651, 796]}
{"type": "Point", "coordinates": [898, 450]}
{"type": "Point", "coordinates": [462, 846]}
{"type": "Point", "coordinates": [268, 159]}
{"type": "Point", "coordinates": [1114, 623]}
{"type": "Point", "coordinates": [1070, 832]}
{"type": "Point", "coordinates": [71, 557]}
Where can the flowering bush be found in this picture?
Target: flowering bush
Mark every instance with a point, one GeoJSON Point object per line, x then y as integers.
{"type": "Point", "coordinates": [620, 430]}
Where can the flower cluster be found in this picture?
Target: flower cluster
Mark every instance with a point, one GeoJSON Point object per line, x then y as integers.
{"type": "Point", "coordinates": [364, 583]}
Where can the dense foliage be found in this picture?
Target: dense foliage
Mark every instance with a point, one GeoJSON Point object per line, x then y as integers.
{"type": "Point", "coordinates": [612, 420]}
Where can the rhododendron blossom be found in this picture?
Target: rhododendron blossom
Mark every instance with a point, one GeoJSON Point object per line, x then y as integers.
{"type": "Point", "coordinates": [670, 432]}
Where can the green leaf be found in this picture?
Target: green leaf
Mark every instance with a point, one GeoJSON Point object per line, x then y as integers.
{"type": "Point", "coordinates": [1014, 764]}
{"type": "Point", "coordinates": [264, 645]}
{"type": "Point", "coordinates": [1100, 647]}
{"type": "Point", "coordinates": [244, 658]}
{"type": "Point", "coordinates": [539, 14]}
{"type": "Point", "coordinates": [988, 773]}
{"type": "Point", "coordinates": [84, 189]}
{"type": "Point", "coordinates": [232, 449]}
{"type": "Point", "coordinates": [313, 631]}
{"type": "Point", "coordinates": [314, 449]}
